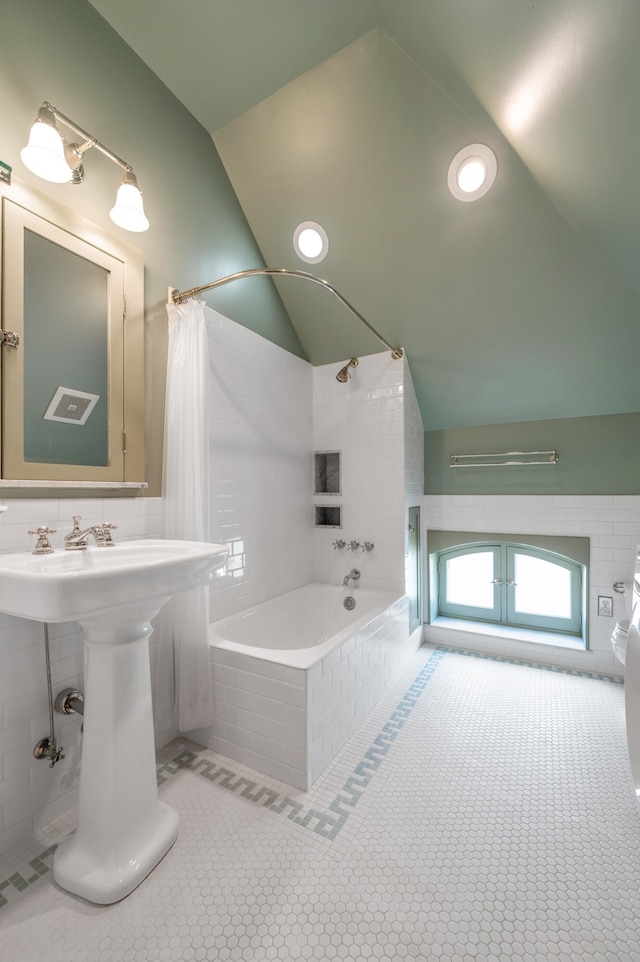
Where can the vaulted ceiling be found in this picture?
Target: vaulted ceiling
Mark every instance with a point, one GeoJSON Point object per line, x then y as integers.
{"type": "Point", "coordinates": [522, 305]}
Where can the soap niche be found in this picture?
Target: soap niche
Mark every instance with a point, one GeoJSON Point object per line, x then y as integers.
{"type": "Point", "coordinates": [328, 515]}
{"type": "Point", "coordinates": [327, 472]}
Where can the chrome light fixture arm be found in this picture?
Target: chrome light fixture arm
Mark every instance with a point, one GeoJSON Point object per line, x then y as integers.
{"type": "Point", "coordinates": [180, 296]}
{"type": "Point", "coordinates": [88, 139]}
{"type": "Point", "coordinates": [49, 157]}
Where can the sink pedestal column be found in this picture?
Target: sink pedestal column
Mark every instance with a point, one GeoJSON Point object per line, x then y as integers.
{"type": "Point", "coordinates": [123, 829]}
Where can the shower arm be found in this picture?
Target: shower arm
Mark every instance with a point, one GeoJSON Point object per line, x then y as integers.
{"type": "Point", "coordinates": [180, 296]}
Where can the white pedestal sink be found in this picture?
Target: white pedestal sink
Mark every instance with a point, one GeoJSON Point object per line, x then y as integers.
{"type": "Point", "coordinates": [123, 829]}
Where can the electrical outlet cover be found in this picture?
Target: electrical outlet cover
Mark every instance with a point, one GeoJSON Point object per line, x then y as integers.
{"type": "Point", "coordinates": [605, 606]}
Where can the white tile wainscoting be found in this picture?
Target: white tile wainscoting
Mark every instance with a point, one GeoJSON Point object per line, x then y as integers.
{"type": "Point", "coordinates": [612, 524]}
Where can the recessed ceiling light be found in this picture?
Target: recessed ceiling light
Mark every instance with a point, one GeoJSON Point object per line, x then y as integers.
{"type": "Point", "coordinates": [472, 172]}
{"type": "Point", "coordinates": [310, 242]}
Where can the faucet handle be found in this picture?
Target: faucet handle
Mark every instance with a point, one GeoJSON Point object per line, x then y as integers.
{"type": "Point", "coordinates": [354, 545]}
{"type": "Point", "coordinates": [43, 545]}
{"type": "Point", "coordinates": [368, 546]}
{"type": "Point", "coordinates": [102, 534]}
{"type": "Point", "coordinates": [339, 544]}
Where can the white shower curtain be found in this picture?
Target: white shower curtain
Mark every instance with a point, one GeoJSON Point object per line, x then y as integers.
{"type": "Point", "coordinates": [183, 675]}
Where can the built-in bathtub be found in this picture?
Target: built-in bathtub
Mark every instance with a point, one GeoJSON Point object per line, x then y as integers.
{"type": "Point", "coordinates": [296, 675]}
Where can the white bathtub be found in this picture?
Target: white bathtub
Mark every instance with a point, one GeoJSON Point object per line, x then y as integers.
{"type": "Point", "coordinates": [299, 628]}
{"type": "Point", "coordinates": [296, 675]}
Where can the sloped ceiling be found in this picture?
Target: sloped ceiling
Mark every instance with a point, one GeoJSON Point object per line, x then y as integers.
{"type": "Point", "coordinates": [524, 305]}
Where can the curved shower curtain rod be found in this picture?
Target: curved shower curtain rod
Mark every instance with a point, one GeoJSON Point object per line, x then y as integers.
{"type": "Point", "coordinates": [180, 296]}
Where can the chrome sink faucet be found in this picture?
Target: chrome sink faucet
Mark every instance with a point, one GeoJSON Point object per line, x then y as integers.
{"type": "Point", "coordinates": [77, 539]}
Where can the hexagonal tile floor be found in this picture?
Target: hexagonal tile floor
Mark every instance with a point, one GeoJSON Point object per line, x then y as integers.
{"type": "Point", "coordinates": [484, 811]}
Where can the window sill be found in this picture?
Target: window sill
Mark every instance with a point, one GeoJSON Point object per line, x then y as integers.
{"type": "Point", "coordinates": [574, 642]}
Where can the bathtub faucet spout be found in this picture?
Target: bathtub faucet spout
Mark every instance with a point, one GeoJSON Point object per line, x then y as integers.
{"type": "Point", "coordinates": [354, 575]}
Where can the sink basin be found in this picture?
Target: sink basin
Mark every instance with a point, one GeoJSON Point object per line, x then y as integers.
{"type": "Point", "coordinates": [77, 585]}
{"type": "Point", "coordinates": [123, 828]}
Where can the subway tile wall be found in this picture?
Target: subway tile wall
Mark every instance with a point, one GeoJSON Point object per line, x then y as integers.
{"type": "Point", "coordinates": [413, 443]}
{"type": "Point", "coordinates": [413, 465]}
{"type": "Point", "coordinates": [260, 431]}
{"type": "Point", "coordinates": [260, 715]}
{"type": "Point", "coordinates": [344, 687]}
{"type": "Point", "coordinates": [32, 793]}
{"type": "Point", "coordinates": [289, 723]}
{"type": "Point", "coordinates": [611, 522]}
{"type": "Point", "coordinates": [364, 420]}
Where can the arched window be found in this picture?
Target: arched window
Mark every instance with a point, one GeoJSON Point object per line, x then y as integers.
{"type": "Point", "coordinates": [511, 584]}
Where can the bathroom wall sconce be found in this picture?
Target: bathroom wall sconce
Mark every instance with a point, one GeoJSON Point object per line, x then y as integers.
{"type": "Point", "coordinates": [49, 157]}
{"type": "Point", "coordinates": [472, 172]}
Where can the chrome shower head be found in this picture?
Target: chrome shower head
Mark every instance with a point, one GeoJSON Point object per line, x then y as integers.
{"type": "Point", "coordinates": [343, 374]}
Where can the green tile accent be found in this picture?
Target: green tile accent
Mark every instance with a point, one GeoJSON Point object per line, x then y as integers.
{"type": "Point", "coordinates": [327, 823]}
{"type": "Point", "coordinates": [532, 664]}
{"type": "Point", "coordinates": [18, 883]}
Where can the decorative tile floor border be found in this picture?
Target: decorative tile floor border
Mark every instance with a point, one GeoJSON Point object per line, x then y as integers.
{"type": "Point", "coordinates": [326, 823]}
{"type": "Point", "coordinates": [614, 679]}
{"type": "Point", "coordinates": [18, 883]}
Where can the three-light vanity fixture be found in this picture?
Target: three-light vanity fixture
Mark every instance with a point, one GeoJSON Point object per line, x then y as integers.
{"type": "Point", "coordinates": [49, 157]}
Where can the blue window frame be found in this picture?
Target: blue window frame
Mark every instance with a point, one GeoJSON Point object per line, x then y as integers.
{"type": "Point", "coordinates": [511, 584]}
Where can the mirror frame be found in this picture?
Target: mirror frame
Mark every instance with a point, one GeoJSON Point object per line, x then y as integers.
{"type": "Point", "coordinates": [21, 207]}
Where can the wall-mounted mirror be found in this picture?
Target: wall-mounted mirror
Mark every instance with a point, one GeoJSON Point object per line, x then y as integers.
{"type": "Point", "coordinates": [72, 389]}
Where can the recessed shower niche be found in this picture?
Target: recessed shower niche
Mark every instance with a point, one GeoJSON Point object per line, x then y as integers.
{"type": "Point", "coordinates": [327, 472]}
{"type": "Point", "coordinates": [328, 515]}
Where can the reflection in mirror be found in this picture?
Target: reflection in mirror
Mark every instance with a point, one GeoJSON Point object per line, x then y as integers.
{"type": "Point", "coordinates": [72, 370]}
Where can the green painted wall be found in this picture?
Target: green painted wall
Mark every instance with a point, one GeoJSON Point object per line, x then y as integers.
{"type": "Point", "coordinates": [64, 52]}
{"type": "Point", "coordinates": [597, 455]}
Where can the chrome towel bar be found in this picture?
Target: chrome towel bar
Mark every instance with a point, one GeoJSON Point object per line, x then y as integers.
{"type": "Point", "coordinates": [473, 460]}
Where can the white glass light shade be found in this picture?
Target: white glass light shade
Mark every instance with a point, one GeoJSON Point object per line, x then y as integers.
{"type": "Point", "coordinates": [44, 154]}
{"type": "Point", "coordinates": [128, 211]}
{"type": "Point", "coordinates": [310, 242]}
